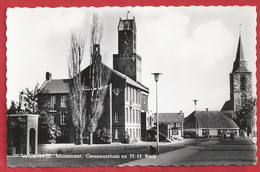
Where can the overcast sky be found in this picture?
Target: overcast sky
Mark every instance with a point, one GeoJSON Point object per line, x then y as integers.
{"type": "Point", "coordinates": [194, 48]}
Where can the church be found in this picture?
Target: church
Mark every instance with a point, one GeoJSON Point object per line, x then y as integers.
{"type": "Point", "coordinates": [126, 100]}
{"type": "Point", "coordinates": [240, 90]}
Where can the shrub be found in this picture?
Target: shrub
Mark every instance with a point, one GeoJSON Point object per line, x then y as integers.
{"type": "Point", "coordinates": [102, 136]}
{"type": "Point", "coordinates": [126, 138]}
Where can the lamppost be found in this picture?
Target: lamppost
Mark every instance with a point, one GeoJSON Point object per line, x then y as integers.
{"type": "Point", "coordinates": [195, 103]}
{"type": "Point", "coordinates": [207, 123]}
{"type": "Point", "coordinates": [156, 78]}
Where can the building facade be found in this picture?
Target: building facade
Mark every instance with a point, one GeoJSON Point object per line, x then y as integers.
{"type": "Point", "coordinates": [126, 99]}
{"type": "Point", "coordinates": [170, 127]}
{"type": "Point", "coordinates": [209, 123]}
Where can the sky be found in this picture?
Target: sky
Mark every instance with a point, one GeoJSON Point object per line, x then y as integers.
{"type": "Point", "coordinates": [194, 48]}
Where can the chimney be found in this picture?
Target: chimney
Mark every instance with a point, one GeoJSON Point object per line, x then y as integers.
{"type": "Point", "coordinates": [181, 111]}
{"type": "Point", "coordinates": [48, 76]}
{"type": "Point", "coordinates": [207, 109]}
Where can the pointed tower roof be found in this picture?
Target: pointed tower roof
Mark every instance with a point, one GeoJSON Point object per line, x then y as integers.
{"type": "Point", "coordinates": [239, 64]}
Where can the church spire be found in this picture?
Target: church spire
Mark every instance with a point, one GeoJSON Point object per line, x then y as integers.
{"type": "Point", "coordinates": [240, 62]}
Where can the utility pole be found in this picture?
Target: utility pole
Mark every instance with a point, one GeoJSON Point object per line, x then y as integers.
{"type": "Point", "coordinates": [196, 122]}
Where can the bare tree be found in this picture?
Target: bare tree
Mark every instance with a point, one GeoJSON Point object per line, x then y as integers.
{"type": "Point", "coordinates": [77, 96]}
{"type": "Point", "coordinates": [98, 78]}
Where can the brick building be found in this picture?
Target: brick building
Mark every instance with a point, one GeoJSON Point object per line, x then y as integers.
{"type": "Point", "coordinates": [126, 99]}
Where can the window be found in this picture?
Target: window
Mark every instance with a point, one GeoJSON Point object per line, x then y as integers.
{"type": "Point", "coordinates": [130, 133]}
{"type": "Point", "coordinates": [126, 93]}
{"type": "Point", "coordinates": [126, 111]}
{"type": "Point", "coordinates": [205, 132]}
{"type": "Point", "coordinates": [136, 114]}
{"type": "Point", "coordinates": [133, 95]}
{"type": "Point", "coordinates": [151, 120]}
{"type": "Point", "coordinates": [63, 118]}
{"type": "Point", "coordinates": [130, 95]}
{"type": "Point", "coordinates": [133, 116]}
{"type": "Point", "coordinates": [130, 116]}
{"type": "Point", "coordinates": [137, 96]}
{"type": "Point", "coordinates": [53, 102]}
{"type": "Point", "coordinates": [174, 132]}
{"type": "Point", "coordinates": [53, 115]}
{"type": "Point", "coordinates": [243, 99]}
{"type": "Point", "coordinates": [63, 101]}
{"type": "Point", "coordinates": [116, 118]}
{"type": "Point", "coordinates": [133, 133]}
{"type": "Point", "coordinates": [131, 67]}
{"type": "Point", "coordinates": [242, 82]}
{"type": "Point", "coordinates": [116, 133]}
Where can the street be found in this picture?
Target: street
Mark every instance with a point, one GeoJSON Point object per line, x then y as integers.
{"type": "Point", "coordinates": [241, 151]}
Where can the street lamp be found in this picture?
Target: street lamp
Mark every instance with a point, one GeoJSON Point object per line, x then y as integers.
{"type": "Point", "coordinates": [156, 78]}
{"type": "Point", "coordinates": [207, 114]}
{"type": "Point", "coordinates": [195, 103]}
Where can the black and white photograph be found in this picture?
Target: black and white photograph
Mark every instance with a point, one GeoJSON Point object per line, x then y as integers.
{"type": "Point", "coordinates": [131, 86]}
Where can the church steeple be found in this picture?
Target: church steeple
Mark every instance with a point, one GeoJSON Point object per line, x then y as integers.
{"type": "Point", "coordinates": [240, 80]}
{"type": "Point", "coordinates": [240, 62]}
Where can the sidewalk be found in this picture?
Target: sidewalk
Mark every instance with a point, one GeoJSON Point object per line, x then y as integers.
{"type": "Point", "coordinates": [164, 159]}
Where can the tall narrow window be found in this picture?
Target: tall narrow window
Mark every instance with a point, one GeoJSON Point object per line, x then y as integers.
{"type": "Point", "coordinates": [133, 116]}
{"type": "Point", "coordinates": [243, 99]}
{"type": "Point", "coordinates": [137, 97]}
{"type": "Point", "coordinates": [136, 114]}
{"type": "Point", "coordinates": [126, 93]}
{"type": "Point", "coordinates": [63, 101]}
{"type": "Point", "coordinates": [116, 118]}
{"type": "Point", "coordinates": [127, 116]}
{"type": "Point", "coordinates": [62, 118]}
{"type": "Point", "coordinates": [116, 134]}
{"type": "Point", "coordinates": [53, 102]}
{"type": "Point", "coordinates": [242, 82]}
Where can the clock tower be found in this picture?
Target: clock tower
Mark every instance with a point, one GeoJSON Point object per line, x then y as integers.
{"type": "Point", "coordinates": [127, 61]}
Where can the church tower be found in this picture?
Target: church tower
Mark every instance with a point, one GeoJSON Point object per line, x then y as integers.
{"type": "Point", "coordinates": [240, 80]}
{"type": "Point", "coordinates": [127, 61]}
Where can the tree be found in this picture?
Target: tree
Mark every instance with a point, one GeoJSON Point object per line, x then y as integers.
{"type": "Point", "coordinates": [247, 116]}
{"type": "Point", "coordinates": [13, 108]}
{"type": "Point", "coordinates": [77, 96]}
{"type": "Point", "coordinates": [48, 129]}
{"type": "Point", "coordinates": [36, 102]}
{"type": "Point", "coordinates": [98, 79]}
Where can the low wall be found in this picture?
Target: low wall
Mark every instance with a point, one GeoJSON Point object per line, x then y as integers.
{"type": "Point", "coordinates": [83, 149]}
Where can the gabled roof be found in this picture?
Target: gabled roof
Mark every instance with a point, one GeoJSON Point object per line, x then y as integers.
{"type": "Point", "coordinates": [130, 81]}
{"type": "Point", "coordinates": [60, 86]}
{"type": "Point", "coordinates": [170, 117]}
{"type": "Point", "coordinates": [227, 106]}
{"type": "Point", "coordinates": [55, 86]}
{"type": "Point", "coordinates": [210, 119]}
